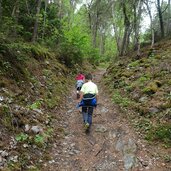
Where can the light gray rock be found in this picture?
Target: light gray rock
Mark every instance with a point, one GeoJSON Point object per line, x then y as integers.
{"type": "Point", "coordinates": [38, 111]}
{"type": "Point", "coordinates": [1, 98]}
{"type": "Point", "coordinates": [104, 110]}
{"type": "Point", "coordinates": [101, 128]}
{"type": "Point", "coordinates": [14, 159]}
{"type": "Point", "coordinates": [129, 151]}
{"type": "Point", "coordinates": [36, 129]}
{"type": "Point", "coordinates": [4, 154]}
{"type": "Point", "coordinates": [70, 111]}
{"type": "Point", "coordinates": [129, 161]}
{"type": "Point", "coordinates": [153, 110]}
{"type": "Point", "coordinates": [27, 128]}
{"type": "Point", "coordinates": [143, 99]}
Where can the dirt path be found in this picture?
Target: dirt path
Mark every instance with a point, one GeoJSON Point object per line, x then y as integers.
{"type": "Point", "coordinates": [110, 146]}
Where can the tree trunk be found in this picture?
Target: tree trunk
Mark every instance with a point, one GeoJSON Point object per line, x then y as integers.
{"type": "Point", "coordinates": [28, 10]}
{"type": "Point", "coordinates": [116, 35]}
{"type": "Point", "coordinates": [95, 26]}
{"type": "Point", "coordinates": [44, 18]}
{"type": "Point", "coordinates": [0, 12]}
{"type": "Point", "coordinates": [125, 40]}
{"type": "Point", "coordinates": [137, 16]}
{"type": "Point", "coordinates": [160, 18]}
{"type": "Point", "coordinates": [15, 15]}
{"type": "Point", "coordinates": [117, 38]}
{"type": "Point", "coordinates": [168, 20]}
{"type": "Point", "coordinates": [35, 31]}
{"type": "Point", "coordinates": [151, 24]}
{"type": "Point", "coordinates": [59, 9]}
{"type": "Point", "coordinates": [102, 42]}
{"type": "Point", "coordinates": [94, 33]}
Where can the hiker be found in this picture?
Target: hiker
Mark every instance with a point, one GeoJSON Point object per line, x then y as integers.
{"type": "Point", "coordinates": [80, 78]}
{"type": "Point", "coordinates": [88, 100]}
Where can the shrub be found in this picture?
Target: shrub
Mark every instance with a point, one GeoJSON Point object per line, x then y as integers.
{"type": "Point", "coordinates": [160, 133]}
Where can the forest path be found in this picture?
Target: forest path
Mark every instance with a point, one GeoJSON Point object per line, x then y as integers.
{"type": "Point", "coordinates": [111, 144]}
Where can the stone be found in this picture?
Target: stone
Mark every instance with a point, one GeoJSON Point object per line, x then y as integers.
{"type": "Point", "coordinates": [25, 145]}
{"type": "Point", "coordinates": [143, 99]}
{"type": "Point", "coordinates": [38, 111]}
{"type": "Point", "coordinates": [27, 128]}
{"type": "Point", "coordinates": [153, 110]}
{"type": "Point", "coordinates": [104, 110]}
{"type": "Point", "coordinates": [101, 128]}
{"type": "Point", "coordinates": [4, 154]}
{"type": "Point", "coordinates": [36, 129]}
{"type": "Point", "coordinates": [14, 159]}
{"type": "Point", "coordinates": [70, 111]}
{"type": "Point", "coordinates": [119, 145]}
{"type": "Point", "coordinates": [1, 98]}
{"type": "Point", "coordinates": [129, 161]}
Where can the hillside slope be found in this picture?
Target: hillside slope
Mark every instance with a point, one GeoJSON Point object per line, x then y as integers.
{"type": "Point", "coordinates": [32, 84]}
{"type": "Point", "coordinates": [142, 88]}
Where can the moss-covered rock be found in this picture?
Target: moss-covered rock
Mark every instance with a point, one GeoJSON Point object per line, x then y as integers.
{"type": "Point", "coordinates": [151, 88]}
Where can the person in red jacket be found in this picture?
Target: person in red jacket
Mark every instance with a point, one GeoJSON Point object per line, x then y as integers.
{"type": "Point", "coordinates": [80, 78]}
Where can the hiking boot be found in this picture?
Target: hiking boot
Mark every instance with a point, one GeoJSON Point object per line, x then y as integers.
{"type": "Point", "coordinates": [86, 126]}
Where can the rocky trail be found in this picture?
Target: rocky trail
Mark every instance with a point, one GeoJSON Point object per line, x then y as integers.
{"type": "Point", "coordinates": [111, 145]}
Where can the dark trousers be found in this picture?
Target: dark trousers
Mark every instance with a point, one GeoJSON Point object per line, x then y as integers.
{"type": "Point", "coordinates": [87, 114]}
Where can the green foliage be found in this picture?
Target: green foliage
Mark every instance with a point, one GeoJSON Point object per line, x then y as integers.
{"type": "Point", "coordinates": [21, 137]}
{"type": "Point", "coordinates": [129, 88]}
{"type": "Point", "coordinates": [77, 47]}
{"type": "Point", "coordinates": [36, 105]}
{"type": "Point", "coordinates": [10, 28]}
{"type": "Point", "coordinates": [144, 78]}
{"type": "Point", "coordinates": [143, 125]}
{"type": "Point", "coordinates": [167, 158]}
{"type": "Point", "coordinates": [134, 63]}
{"type": "Point", "coordinates": [39, 139]}
{"type": "Point", "coordinates": [151, 88]}
{"type": "Point", "coordinates": [93, 55]}
{"type": "Point", "coordinates": [5, 115]}
{"type": "Point", "coordinates": [39, 52]}
{"type": "Point", "coordinates": [122, 101]}
{"type": "Point", "coordinates": [161, 133]}
{"type": "Point", "coordinates": [72, 47]}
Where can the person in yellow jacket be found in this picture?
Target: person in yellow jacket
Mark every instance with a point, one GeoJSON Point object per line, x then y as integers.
{"type": "Point", "coordinates": [88, 100]}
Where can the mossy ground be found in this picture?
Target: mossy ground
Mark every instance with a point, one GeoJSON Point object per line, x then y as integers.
{"type": "Point", "coordinates": [142, 86]}
{"type": "Point", "coordinates": [33, 83]}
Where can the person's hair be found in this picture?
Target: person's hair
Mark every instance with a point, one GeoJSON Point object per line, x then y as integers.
{"type": "Point", "coordinates": [88, 76]}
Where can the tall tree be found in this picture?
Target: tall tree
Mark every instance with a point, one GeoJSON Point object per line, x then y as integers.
{"type": "Point", "coordinates": [137, 10]}
{"type": "Point", "coordinates": [168, 17]}
{"type": "Point", "coordinates": [151, 22]}
{"type": "Point", "coordinates": [0, 11]}
{"type": "Point", "coordinates": [127, 29]}
{"type": "Point", "coordinates": [35, 31]}
{"type": "Point", "coordinates": [15, 15]}
{"type": "Point", "coordinates": [160, 18]}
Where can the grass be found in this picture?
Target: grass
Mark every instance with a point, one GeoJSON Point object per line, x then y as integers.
{"type": "Point", "coordinates": [160, 133]}
{"type": "Point", "coordinates": [122, 101]}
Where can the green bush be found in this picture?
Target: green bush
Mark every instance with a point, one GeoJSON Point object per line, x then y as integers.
{"type": "Point", "coordinates": [122, 101]}
{"type": "Point", "coordinates": [70, 54]}
{"type": "Point", "coordinates": [93, 55]}
{"type": "Point", "coordinates": [160, 133]}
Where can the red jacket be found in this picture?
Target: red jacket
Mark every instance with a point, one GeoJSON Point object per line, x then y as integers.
{"type": "Point", "coordinates": [80, 77]}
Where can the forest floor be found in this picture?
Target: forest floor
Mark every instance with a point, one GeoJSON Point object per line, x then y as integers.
{"type": "Point", "coordinates": [112, 143]}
